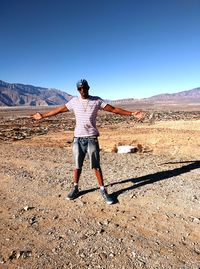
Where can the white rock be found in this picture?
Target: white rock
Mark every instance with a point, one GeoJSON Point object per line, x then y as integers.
{"type": "Point", "coordinates": [126, 149]}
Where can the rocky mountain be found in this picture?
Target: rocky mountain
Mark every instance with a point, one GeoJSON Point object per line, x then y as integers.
{"type": "Point", "coordinates": [189, 95]}
{"type": "Point", "coordinates": [28, 95]}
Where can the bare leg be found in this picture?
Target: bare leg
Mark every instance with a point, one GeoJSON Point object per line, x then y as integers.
{"type": "Point", "coordinates": [77, 173]}
{"type": "Point", "coordinates": [108, 199]}
{"type": "Point", "coordinates": [99, 176]}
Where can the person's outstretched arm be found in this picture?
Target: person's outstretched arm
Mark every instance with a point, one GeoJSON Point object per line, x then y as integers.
{"type": "Point", "coordinates": [137, 114]}
{"type": "Point", "coordinates": [53, 112]}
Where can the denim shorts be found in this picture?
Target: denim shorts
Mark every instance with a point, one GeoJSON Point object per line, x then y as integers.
{"type": "Point", "coordinates": [86, 145]}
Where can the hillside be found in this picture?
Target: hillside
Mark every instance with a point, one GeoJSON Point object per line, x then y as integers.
{"type": "Point", "coordinates": [28, 95]}
{"type": "Point", "coordinates": [179, 97]}
{"type": "Point", "coordinates": [193, 94]}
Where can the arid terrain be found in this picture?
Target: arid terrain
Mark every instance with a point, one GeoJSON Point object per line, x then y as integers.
{"type": "Point", "coordinates": [155, 221]}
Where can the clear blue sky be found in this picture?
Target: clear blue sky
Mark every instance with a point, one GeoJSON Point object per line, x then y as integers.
{"type": "Point", "coordinates": [124, 48]}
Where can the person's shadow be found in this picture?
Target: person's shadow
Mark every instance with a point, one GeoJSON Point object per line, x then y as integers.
{"type": "Point", "coordinates": [151, 178]}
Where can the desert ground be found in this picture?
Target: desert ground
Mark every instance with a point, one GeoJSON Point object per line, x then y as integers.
{"type": "Point", "coordinates": [155, 220]}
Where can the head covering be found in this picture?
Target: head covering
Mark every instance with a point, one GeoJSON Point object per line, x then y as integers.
{"type": "Point", "coordinates": [82, 83]}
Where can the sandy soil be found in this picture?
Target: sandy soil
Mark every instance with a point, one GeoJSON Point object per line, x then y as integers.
{"type": "Point", "coordinates": [154, 223]}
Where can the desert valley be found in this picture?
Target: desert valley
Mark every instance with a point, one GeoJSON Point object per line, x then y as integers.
{"type": "Point", "coordinates": [155, 220]}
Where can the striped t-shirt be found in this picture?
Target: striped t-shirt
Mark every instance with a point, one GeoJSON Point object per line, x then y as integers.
{"type": "Point", "coordinates": [85, 111]}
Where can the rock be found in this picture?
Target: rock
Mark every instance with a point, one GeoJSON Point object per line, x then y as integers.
{"type": "Point", "coordinates": [126, 149]}
{"type": "Point", "coordinates": [111, 255]}
{"type": "Point", "coordinates": [32, 220]}
{"type": "Point", "coordinates": [26, 208]}
{"type": "Point", "coordinates": [2, 260]}
{"type": "Point", "coordinates": [13, 255]}
{"type": "Point", "coordinates": [24, 254]}
{"type": "Point", "coordinates": [195, 220]}
{"type": "Point", "coordinates": [103, 255]}
{"type": "Point", "coordinates": [197, 250]}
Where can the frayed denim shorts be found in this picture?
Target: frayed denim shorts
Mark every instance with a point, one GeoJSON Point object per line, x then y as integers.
{"type": "Point", "coordinates": [86, 145]}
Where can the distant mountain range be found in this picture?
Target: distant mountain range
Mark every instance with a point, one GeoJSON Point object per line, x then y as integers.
{"type": "Point", "coordinates": [184, 97]}
{"type": "Point", "coordinates": [27, 95]}
{"type": "Point", "coordinates": [193, 94]}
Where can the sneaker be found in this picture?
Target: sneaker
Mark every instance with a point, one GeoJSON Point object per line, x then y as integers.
{"type": "Point", "coordinates": [73, 194]}
{"type": "Point", "coordinates": [107, 198]}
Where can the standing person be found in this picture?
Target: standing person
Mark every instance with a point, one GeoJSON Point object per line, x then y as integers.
{"type": "Point", "coordinates": [85, 108]}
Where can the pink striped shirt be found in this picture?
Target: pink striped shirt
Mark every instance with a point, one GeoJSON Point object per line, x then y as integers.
{"type": "Point", "coordinates": [85, 111]}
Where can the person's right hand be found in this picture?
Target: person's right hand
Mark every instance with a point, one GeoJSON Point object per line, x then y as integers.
{"type": "Point", "coordinates": [37, 116]}
{"type": "Point", "coordinates": [139, 115]}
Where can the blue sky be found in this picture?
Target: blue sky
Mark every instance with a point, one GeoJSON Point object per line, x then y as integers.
{"type": "Point", "coordinates": [124, 48]}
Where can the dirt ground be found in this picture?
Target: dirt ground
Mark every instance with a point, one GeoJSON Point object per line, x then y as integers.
{"type": "Point", "coordinates": [154, 223]}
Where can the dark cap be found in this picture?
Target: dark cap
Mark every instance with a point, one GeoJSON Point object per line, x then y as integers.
{"type": "Point", "coordinates": [82, 83]}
